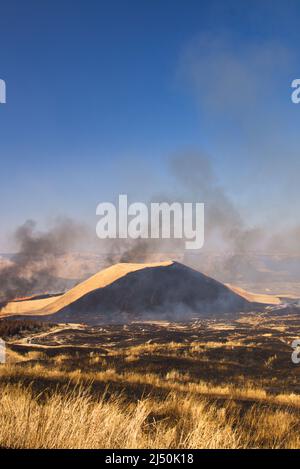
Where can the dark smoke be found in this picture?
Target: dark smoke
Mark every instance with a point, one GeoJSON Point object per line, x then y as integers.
{"type": "Point", "coordinates": [223, 221]}
{"type": "Point", "coordinates": [34, 268]}
{"type": "Point", "coordinates": [233, 249]}
{"type": "Point", "coordinates": [225, 229]}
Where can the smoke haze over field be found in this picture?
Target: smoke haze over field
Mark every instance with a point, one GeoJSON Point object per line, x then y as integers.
{"type": "Point", "coordinates": [234, 249]}
{"type": "Point", "coordinates": [33, 267]}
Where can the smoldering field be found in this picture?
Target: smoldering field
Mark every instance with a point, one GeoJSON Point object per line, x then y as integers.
{"type": "Point", "coordinates": [202, 384]}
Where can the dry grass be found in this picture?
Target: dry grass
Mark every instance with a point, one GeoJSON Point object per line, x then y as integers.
{"type": "Point", "coordinates": [171, 381]}
{"type": "Point", "coordinates": [77, 420]}
{"type": "Point", "coordinates": [75, 413]}
{"type": "Point", "coordinates": [152, 387]}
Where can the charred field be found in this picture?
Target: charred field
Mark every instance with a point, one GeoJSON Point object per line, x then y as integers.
{"type": "Point", "coordinates": [202, 383]}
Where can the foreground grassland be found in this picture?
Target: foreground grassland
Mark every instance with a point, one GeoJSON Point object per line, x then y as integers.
{"type": "Point", "coordinates": [205, 384]}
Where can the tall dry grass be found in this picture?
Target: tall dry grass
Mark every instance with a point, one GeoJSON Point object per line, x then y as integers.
{"type": "Point", "coordinates": [77, 418]}
{"type": "Point", "coordinates": [67, 402]}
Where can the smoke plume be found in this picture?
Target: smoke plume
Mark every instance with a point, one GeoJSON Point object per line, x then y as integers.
{"type": "Point", "coordinates": [34, 267]}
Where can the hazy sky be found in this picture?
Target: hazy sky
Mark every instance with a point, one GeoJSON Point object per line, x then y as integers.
{"type": "Point", "coordinates": [101, 94]}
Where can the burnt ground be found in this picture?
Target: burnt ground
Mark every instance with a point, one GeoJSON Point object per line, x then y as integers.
{"type": "Point", "coordinates": [253, 348]}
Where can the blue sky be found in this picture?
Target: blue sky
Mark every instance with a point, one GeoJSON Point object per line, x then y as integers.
{"type": "Point", "coordinates": [101, 94]}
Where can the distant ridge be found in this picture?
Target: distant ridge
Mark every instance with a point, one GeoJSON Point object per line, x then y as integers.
{"type": "Point", "coordinates": [255, 297]}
